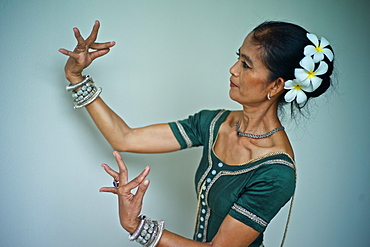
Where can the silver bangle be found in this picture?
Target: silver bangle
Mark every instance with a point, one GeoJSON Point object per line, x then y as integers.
{"type": "Point", "coordinates": [86, 96]}
{"type": "Point", "coordinates": [87, 101]}
{"type": "Point", "coordinates": [135, 235]}
{"type": "Point", "coordinates": [148, 233]}
{"type": "Point", "coordinates": [71, 87]}
{"type": "Point", "coordinates": [160, 229]}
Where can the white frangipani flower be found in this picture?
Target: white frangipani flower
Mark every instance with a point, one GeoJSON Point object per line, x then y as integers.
{"type": "Point", "coordinates": [318, 50]}
{"type": "Point", "coordinates": [296, 90]}
{"type": "Point", "coordinates": [307, 75]}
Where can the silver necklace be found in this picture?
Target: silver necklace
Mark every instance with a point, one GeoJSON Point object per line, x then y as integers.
{"type": "Point", "coordinates": [256, 136]}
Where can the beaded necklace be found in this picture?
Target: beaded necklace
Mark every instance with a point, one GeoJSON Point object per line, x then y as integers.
{"type": "Point", "coordinates": [256, 136]}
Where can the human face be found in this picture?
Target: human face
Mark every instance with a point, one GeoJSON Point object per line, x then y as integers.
{"type": "Point", "coordinates": [249, 76]}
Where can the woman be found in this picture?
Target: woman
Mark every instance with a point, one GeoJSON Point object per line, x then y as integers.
{"type": "Point", "coordinates": [247, 171]}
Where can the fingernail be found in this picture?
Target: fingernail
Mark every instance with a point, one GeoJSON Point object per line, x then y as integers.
{"type": "Point", "coordinates": [146, 182]}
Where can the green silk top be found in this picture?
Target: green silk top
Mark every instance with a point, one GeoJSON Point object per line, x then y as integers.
{"type": "Point", "coordinates": [252, 193]}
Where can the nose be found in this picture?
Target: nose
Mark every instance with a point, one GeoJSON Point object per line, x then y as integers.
{"type": "Point", "coordinates": [234, 70]}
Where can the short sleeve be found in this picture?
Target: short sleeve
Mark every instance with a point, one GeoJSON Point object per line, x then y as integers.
{"type": "Point", "coordinates": [192, 132]}
{"type": "Point", "coordinates": [265, 194]}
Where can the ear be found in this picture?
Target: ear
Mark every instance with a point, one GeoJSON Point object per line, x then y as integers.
{"type": "Point", "coordinates": [277, 87]}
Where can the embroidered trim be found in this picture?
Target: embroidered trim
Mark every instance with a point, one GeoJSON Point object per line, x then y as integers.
{"type": "Point", "coordinates": [187, 139]}
{"type": "Point", "coordinates": [202, 179]}
{"type": "Point", "coordinates": [210, 142]}
{"type": "Point", "coordinates": [267, 155]}
{"type": "Point", "coordinates": [249, 214]}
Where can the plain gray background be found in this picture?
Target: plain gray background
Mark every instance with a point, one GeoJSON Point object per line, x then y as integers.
{"type": "Point", "coordinates": [171, 60]}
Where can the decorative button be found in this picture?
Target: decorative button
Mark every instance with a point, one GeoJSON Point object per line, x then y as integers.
{"type": "Point", "coordinates": [213, 172]}
{"type": "Point", "coordinates": [201, 226]}
{"type": "Point", "coordinates": [199, 235]}
{"type": "Point", "coordinates": [209, 180]}
{"type": "Point", "coordinates": [203, 211]}
{"type": "Point", "coordinates": [201, 219]}
{"type": "Point", "coordinates": [220, 164]}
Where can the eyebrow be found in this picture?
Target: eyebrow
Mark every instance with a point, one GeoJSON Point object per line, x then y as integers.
{"type": "Point", "coordinates": [249, 60]}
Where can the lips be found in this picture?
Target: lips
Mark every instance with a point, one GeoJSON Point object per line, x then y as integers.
{"type": "Point", "coordinates": [232, 84]}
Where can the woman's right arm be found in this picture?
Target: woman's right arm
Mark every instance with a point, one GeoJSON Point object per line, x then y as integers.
{"type": "Point", "coordinates": [151, 139]}
{"type": "Point", "coordinates": [157, 138]}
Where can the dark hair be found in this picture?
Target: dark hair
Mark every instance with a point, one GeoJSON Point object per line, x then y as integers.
{"type": "Point", "coordinates": [282, 46]}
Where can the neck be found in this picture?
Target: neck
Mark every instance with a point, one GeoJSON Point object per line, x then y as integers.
{"type": "Point", "coordinates": [259, 120]}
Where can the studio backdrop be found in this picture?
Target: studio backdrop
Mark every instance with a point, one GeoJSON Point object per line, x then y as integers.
{"type": "Point", "coordinates": [172, 59]}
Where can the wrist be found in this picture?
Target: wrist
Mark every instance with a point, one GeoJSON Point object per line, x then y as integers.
{"type": "Point", "coordinates": [74, 79]}
{"type": "Point", "coordinates": [132, 226]}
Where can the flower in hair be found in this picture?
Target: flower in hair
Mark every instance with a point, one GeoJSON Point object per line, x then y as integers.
{"type": "Point", "coordinates": [296, 90]}
{"type": "Point", "coordinates": [308, 75]}
{"type": "Point", "coordinates": [318, 50]}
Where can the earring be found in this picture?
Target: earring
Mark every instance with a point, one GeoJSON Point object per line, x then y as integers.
{"type": "Point", "coordinates": [268, 96]}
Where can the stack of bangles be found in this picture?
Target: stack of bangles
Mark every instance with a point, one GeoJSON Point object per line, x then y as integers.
{"type": "Point", "coordinates": [87, 92]}
{"type": "Point", "coordinates": [148, 232]}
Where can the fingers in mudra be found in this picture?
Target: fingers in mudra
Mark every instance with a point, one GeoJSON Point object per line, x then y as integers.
{"type": "Point", "coordinates": [83, 45]}
{"type": "Point", "coordinates": [125, 186]}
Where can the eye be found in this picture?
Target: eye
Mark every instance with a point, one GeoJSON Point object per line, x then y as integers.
{"type": "Point", "coordinates": [245, 65]}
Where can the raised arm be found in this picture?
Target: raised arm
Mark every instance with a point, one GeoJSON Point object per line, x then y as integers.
{"type": "Point", "coordinates": [151, 139]}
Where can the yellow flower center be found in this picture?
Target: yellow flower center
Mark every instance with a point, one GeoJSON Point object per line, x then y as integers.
{"type": "Point", "coordinates": [310, 74]}
{"type": "Point", "coordinates": [297, 87]}
{"type": "Point", "coordinates": [318, 49]}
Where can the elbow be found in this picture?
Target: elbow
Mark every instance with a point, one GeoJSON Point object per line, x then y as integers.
{"type": "Point", "coordinates": [119, 147]}
{"type": "Point", "coordinates": [120, 141]}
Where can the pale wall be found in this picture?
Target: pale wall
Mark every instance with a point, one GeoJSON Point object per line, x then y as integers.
{"type": "Point", "coordinates": [171, 60]}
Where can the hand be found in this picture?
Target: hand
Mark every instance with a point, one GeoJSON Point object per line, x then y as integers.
{"type": "Point", "coordinates": [81, 57]}
{"type": "Point", "coordinates": [129, 204]}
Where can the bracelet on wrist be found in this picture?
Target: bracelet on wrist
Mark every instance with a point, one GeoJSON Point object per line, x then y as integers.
{"type": "Point", "coordinates": [135, 235]}
{"type": "Point", "coordinates": [71, 87]}
{"type": "Point", "coordinates": [148, 233]}
{"type": "Point", "coordinates": [86, 94]}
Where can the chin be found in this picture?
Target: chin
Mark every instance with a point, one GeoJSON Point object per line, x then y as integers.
{"type": "Point", "coordinates": [233, 96]}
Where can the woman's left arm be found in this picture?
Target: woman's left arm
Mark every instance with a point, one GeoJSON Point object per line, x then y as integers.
{"type": "Point", "coordinates": [231, 233]}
